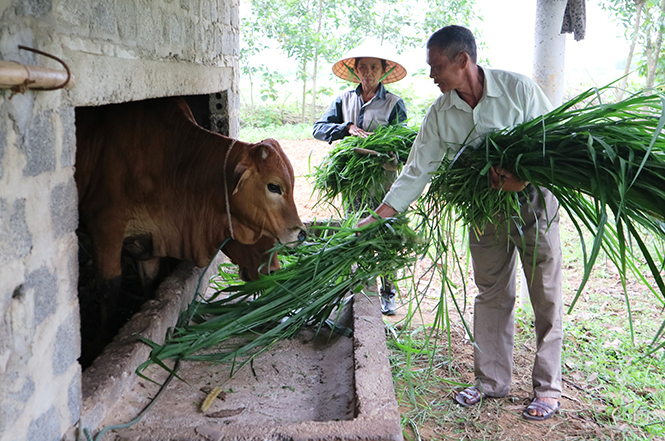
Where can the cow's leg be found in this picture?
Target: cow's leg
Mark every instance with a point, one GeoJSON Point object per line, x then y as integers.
{"type": "Point", "coordinates": [149, 272]}
{"type": "Point", "coordinates": [107, 241]}
{"type": "Point", "coordinates": [140, 248]}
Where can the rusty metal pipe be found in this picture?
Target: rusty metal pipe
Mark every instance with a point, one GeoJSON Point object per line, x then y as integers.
{"type": "Point", "coordinates": [13, 74]}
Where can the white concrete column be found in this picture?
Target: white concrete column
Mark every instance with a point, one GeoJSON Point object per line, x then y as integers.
{"type": "Point", "coordinates": [549, 48]}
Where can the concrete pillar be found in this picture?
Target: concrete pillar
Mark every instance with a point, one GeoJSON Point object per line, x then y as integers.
{"type": "Point", "coordinates": [549, 48]}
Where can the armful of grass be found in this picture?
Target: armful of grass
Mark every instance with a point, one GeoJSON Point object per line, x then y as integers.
{"type": "Point", "coordinates": [315, 281]}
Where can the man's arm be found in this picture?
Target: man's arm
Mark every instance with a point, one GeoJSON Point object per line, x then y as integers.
{"type": "Point", "coordinates": [502, 179]}
{"type": "Point", "coordinates": [383, 211]}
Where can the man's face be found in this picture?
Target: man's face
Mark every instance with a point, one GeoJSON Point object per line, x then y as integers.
{"type": "Point", "coordinates": [445, 73]}
{"type": "Point", "coordinates": [370, 71]}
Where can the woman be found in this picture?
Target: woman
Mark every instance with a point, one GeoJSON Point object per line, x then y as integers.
{"type": "Point", "coordinates": [360, 111]}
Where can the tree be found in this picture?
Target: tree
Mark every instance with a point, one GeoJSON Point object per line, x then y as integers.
{"type": "Point", "coordinates": [311, 31]}
{"type": "Point", "coordinates": [251, 46]}
{"type": "Point", "coordinates": [304, 30]}
{"type": "Point", "coordinates": [643, 23]}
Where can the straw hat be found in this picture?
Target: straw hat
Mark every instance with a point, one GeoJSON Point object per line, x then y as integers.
{"type": "Point", "coordinates": [369, 50]}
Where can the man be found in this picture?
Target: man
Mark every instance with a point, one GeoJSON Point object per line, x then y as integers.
{"type": "Point", "coordinates": [476, 101]}
{"type": "Point", "coordinates": [360, 111]}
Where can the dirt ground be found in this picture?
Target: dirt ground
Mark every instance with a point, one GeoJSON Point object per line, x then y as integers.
{"type": "Point", "coordinates": [496, 419]}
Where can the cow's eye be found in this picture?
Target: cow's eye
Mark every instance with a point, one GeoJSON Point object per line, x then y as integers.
{"type": "Point", "coordinates": [274, 188]}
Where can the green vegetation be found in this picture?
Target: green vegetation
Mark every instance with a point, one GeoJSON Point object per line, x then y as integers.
{"type": "Point", "coordinates": [315, 32]}
{"type": "Point", "coordinates": [356, 168]}
{"type": "Point", "coordinates": [605, 163]}
{"type": "Point", "coordinates": [613, 386]}
{"type": "Point", "coordinates": [286, 131]}
{"type": "Point", "coordinates": [315, 279]}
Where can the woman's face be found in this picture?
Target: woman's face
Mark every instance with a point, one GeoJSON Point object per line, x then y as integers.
{"type": "Point", "coordinates": [370, 71]}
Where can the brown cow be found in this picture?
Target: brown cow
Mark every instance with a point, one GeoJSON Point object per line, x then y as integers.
{"type": "Point", "coordinates": [147, 173]}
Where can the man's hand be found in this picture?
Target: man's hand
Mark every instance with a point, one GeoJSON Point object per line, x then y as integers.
{"type": "Point", "coordinates": [357, 131]}
{"type": "Point", "coordinates": [383, 211]}
{"type": "Point", "coordinates": [502, 179]}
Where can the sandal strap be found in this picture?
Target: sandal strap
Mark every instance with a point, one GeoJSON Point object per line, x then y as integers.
{"type": "Point", "coordinates": [471, 393]}
{"type": "Point", "coordinates": [542, 406]}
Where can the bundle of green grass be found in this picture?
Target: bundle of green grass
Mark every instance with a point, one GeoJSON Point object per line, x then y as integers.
{"type": "Point", "coordinates": [604, 162]}
{"type": "Point", "coordinates": [316, 277]}
{"type": "Point", "coordinates": [356, 167]}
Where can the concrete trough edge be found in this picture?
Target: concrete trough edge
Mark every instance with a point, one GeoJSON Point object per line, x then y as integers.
{"type": "Point", "coordinates": [113, 372]}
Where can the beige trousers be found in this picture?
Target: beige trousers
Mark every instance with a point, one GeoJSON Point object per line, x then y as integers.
{"type": "Point", "coordinates": [494, 256]}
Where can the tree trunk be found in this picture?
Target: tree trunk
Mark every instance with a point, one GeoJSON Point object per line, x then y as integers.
{"type": "Point", "coordinates": [251, 89]}
{"type": "Point", "coordinates": [304, 90]}
{"type": "Point", "coordinates": [655, 54]}
{"type": "Point", "coordinates": [312, 113]}
{"type": "Point", "coordinates": [549, 49]}
{"type": "Point", "coordinates": [629, 60]}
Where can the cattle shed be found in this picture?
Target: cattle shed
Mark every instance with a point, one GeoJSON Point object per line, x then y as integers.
{"type": "Point", "coordinates": [117, 51]}
{"type": "Point", "coordinates": [120, 51]}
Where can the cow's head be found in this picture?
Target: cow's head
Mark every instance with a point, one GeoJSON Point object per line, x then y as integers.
{"type": "Point", "coordinates": [262, 200]}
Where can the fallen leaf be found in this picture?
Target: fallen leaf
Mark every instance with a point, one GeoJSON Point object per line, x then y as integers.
{"type": "Point", "coordinates": [225, 413]}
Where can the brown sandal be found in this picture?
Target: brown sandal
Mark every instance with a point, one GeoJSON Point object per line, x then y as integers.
{"type": "Point", "coordinates": [545, 409]}
{"type": "Point", "coordinates": [469, 397]}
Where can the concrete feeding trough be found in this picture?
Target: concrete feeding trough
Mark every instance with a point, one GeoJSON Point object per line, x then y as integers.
{"type": "Point", "coordinates": [319, 387]}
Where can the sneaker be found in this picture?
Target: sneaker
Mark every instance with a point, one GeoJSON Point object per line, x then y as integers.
{"type": "Point", "coordinates": [388, 306]}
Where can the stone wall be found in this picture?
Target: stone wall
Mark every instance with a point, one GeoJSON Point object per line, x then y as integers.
{"type": "Point", "coordinates": [117, 50]}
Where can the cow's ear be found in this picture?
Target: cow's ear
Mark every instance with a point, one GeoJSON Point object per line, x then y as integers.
{"type": "Point", "coordinates": [240, 175]}
{"type": "Point", "coordinates": [262, 152]}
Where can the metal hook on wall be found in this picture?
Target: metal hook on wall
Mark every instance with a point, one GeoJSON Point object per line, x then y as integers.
{"type": "Point", "coordinates": [20, 77]}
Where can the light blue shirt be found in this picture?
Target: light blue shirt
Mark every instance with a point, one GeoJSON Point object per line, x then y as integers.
{"type": "Point", "coordinates": [349, 108]}
{"type": "Point", "coordinates": [508, 99]}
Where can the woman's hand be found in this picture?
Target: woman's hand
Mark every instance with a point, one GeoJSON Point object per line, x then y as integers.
{"type": "Point", "coordinates": [357, 131]}
{"type": "Point", "coordinates": [502, 179]}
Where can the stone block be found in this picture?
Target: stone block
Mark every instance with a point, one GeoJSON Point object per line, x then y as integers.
{"type": "Point", "coordinates": [235, 16]}
{"type": "Point", "coordinates": [67, 119]}
{"type": "Point", "coordinates": [172, 30]}
{"type": "Point", "coordinates": [127, 20]}
{"type": "Point", "coordinates": [204, 10]}
{"type": "Point", "coordinates": [44, 287]}
{"type": "Point", "coordinates": [67, 344]}
{"type": "Point", "coordinates": [39, 145]}
{"type": "Point", "coordinates": [74, 398]}
{"type": "Point", "coordinates": [77, 13]}
{"type": "Point", "coordinates": [3, 144]}
{"type": "Point", "coordinates": [13, 402]}
{"type": "Point", "coordinates": [46, 427]}
{"type": "Point", "coordinates": [15, 236]}
{"type": "Point", "coordinates": [64, 211]}
{"type": "Point", "coordinates": [35, 8]}
{"type": "Point", "coordinates": [103, 20]}
{"type": "Point", "coordinates": [149, 34]}
{"type": "Point", "coordinates": [214, 14]}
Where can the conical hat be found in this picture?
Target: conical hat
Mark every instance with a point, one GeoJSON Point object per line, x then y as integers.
{"type": "Point", "coordinates": [369, 50]}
